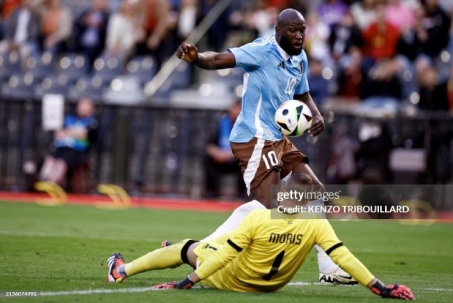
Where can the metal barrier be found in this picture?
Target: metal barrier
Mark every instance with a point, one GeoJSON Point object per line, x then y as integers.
{"type": "Point", "coordinates": [150, 149]}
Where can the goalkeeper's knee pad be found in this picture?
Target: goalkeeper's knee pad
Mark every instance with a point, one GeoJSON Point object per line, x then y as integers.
{"type": "Point", "coordinates": [184, 248]}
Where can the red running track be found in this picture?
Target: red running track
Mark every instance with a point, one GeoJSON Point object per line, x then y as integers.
{"type": "Point", "coordinates": [156, 203]}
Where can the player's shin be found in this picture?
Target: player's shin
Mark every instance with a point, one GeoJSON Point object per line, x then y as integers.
{"type": "Point", "coordinates": [166, 257]}
{"type": "Point", "coordinates": [325, 264]}
{"type": "Point", "coordinates": [329, 272]}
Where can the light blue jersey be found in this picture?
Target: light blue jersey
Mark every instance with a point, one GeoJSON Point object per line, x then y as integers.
{"type": "Point", "coordinates": [271, 77]}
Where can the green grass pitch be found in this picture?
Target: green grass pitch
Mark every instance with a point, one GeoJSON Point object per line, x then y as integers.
{"type": "Point", "coordinates": [61, 251]}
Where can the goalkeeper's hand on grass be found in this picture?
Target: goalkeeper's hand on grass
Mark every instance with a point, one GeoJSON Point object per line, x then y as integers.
{"type": "Point", "coordinates": [166, 285]}
{"type": "Point", "coordinates": [184, 284]}
{"type": "Point", "coordinates": [396, 291]}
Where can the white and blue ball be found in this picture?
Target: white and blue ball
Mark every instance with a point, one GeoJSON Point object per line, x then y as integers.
{"type": "Point", "coordinates": [293, 117]}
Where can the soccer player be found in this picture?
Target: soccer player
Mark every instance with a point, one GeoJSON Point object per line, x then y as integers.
{"type": "Point", "coordinates": [275, 70]}
{"type": "Point", "coordinates": [261, 255]}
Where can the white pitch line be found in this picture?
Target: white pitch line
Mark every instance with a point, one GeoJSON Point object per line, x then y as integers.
{"type": "Point", "coordinates": [145, 289]}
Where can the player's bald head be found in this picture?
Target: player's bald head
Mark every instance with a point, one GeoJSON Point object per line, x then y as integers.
{"type": "Point", "coordinates": [289, 15]}
{"type": "Point", "coordinates": [290, 31]}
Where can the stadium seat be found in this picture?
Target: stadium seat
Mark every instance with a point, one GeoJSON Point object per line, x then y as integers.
{"type": "Point", "coordinates": [108, 67]}
{"type": "Point", "coordinates": [181, 77]}
{"type": "Point", "coordinates": [124, 89]}
{"type": "Point", "coordinates": [73, 66]}
{"type": "Point", "coordinates": [92, 88]}
{"type": "Point", "coordinates": [10, 64]}
{"type": "Point", "coordinates": [40, 66]}
{"type": "Point", "coordinates": [20, 87]}
{"type": "Point", "coordinates": [229, 77]}
{"type": "Point", "coordinates": [54, 85]}
{"type": "Point", "coordinates": [144, 68]}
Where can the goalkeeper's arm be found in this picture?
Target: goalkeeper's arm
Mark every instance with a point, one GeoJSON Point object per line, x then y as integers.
{"type": "Point", "coordinates": [348, 262]}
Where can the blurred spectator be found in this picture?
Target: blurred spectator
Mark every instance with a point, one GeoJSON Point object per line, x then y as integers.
{"type": "Point", "coordinates": [381, 89]}
{"type": "Point", "coordinates": [90, 30]}
{"type": "Point", "coordinates": [219, 159]}
{"type": "Point", "coordinates": [187, 18]}
{"type": "Point", "coordinates": [372, 158]}
{"type": "Point", "coordinates": [319, 86]}
{"type": "Point", "coordinates": [399, 14]}
{"type": "Point", "coordinates": [56, 26]}
{"type": "Point", "coordinates": [218, 32]}
{"type": "Point", "coordinates": [364, 12]}
{"type": "Point", "coordinates": [450, 90]}
{"type": "Point", "coordinates": [77, 7]}
{"type": "Point", "coordinates": [71, 144]}
{"type": "Point", "coordinates": [342, 166]}
{"type": "Point", "coordinates": [332, 11]}
{"type": "Point", "coordinates": [411, 39]}
{"type": "Point", "coordinates": [380, 37]}
{"type": "Point", "coordinates": [350, 75]}
{"type": "Point", "coordinates": [22, 30]}
{"type": "Point", "coordinates": [317, 37]}
{"type": "Point", "coordinates": [437, 23]}
{"type": "Point", "coordinates": [299, 5]}
{"type": "Point", "coordinates": [279, 4]}
{"type": "Point", "coordinates": [433, 92]}
{"type": "Point", "coordinates": [446, 5]}
{"type": "Point", "coordinates": [343, 36]}
{"type": "Point", "coordinates": [6, 8]}
{"type": "Point", "coordinates": [121, 31]}
{"type": "Point", "coordinates": [262, 19]}
{"type": "Point", "coordinates": [152, 37]}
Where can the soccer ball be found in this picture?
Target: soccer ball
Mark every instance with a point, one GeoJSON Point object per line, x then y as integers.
{"type": "Point", "coordinates": [293, 117]}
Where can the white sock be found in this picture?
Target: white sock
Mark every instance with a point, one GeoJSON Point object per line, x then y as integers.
{"type": "Point", "coordinates": [235, 219]}
{"type": "Point", "coordinates": [325, 263]}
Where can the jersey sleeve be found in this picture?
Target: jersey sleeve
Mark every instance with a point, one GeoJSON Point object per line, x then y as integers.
{"type": "Point", "coordinates": [249, 55]}
{"type": "Point", "coordinates": [341, 255]}
{"type": "Point", "coordinates": [239, 239]}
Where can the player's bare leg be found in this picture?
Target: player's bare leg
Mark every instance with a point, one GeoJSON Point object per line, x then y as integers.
{"type": "Point", "coordinates": [266, 192]}
{"type": "Point", "coordinates": [304, 168]}
{"type": "Point", "coordinates": [329, 272]}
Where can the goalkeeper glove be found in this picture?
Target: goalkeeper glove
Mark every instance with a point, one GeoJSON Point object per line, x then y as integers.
{"type": "Point", "coordinates": [396, 291]}
{"type": "Point", "coordinates": [185, 284]}
{"type": "Point", "coordinates": [166, 285]}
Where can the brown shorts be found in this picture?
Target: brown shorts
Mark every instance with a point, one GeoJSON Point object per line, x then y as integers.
{"type": "Point", "coordinates": [258, 158]}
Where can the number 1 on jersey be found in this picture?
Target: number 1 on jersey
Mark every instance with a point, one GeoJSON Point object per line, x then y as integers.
{"type": "Point", "coordinates": [275, 266]}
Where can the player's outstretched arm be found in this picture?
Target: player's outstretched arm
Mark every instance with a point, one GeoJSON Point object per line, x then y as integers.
{"type": "Point", "coordinates": [396, 291]}
{"type": "Point", "coordinates": [349, 263]}
{"type": "Point", "coordinates": [205, 60]}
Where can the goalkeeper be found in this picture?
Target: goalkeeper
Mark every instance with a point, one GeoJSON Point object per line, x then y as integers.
{"type": "Point", "coordinates": [261, 255]}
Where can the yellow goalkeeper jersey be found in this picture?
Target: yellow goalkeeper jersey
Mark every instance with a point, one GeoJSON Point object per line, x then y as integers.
{"type": "Point", "coordinates": [264, 253]}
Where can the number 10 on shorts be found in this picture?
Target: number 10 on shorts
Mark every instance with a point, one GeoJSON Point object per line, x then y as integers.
{"type": "Point", "coordinates": [270, 159]}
